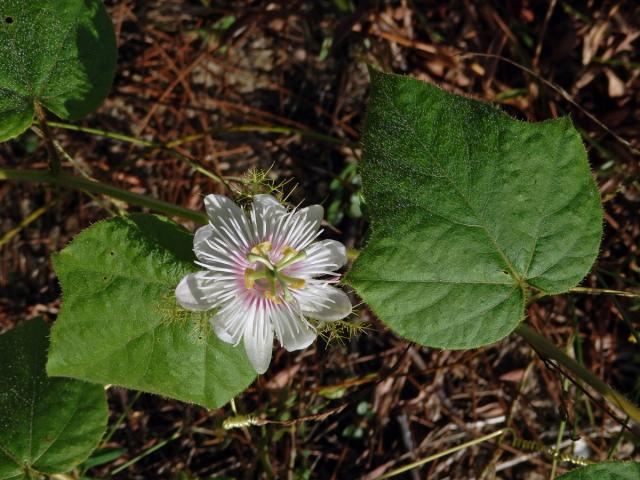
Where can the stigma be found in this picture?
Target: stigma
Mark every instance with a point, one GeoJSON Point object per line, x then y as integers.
{"type": "Point", "coordinates": [267, 277]}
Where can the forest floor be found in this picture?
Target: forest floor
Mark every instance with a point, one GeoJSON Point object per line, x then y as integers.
{"type": "Point", "coordinates": [239, 86]}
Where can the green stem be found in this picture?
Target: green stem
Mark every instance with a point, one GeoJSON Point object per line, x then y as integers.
{"type": "Point", "coordinates": [556, 457]}
{"type": "Point", "coordinates": [54, 159]}
{"type": "Point", "coordinates": [561, 429]}
{"type": "Point", "coordinates": [118, 423]}
{"type": "Point", "coordinates": [169, 147]}
{"type": "Point", "coordinates": [291, 131]}
{"type": "Point", "coordinates": [443, 453]}
{"type": "Point", "coordinates": [146, 452]}
{"type": "Point", "coordinates": [32, 217]}
{"type": "Point", "coordinates": [604, 291]}
{"type": "Point", "coordinates": [264, 455]}
{"type": "Point", "coordinates": [77, 183]}
{"type": "Point", "coordinates": [625, 318]}
{"type": "Point", "coordinates": [547, 349]}
{"type": "Point", "coordinates": [617, 440]}
{"type": "Point", "coordinates": [102, 133]}
{"type": "Point", "coordinates": [237, 129]}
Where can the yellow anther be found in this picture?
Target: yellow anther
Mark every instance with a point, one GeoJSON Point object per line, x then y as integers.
{"type": "Point", "coordinates": [249, 281]}
{"type": "Point", "coordinates": [289, 252]}
{"type": "Point", "coordinates": [291, 282]}
{"type": "Point", "coordinates": [251, 275]}
{"type": "Point", "coordinates": [271, 295]}
{"type": "Point", "coordinates": [273, 284]}
{"type": "Point", "coordinates": [296, 283]}
{"type": "Point", "coordinates": [289, 256]}
{"type": "Point", "coordinates": [262, 248]}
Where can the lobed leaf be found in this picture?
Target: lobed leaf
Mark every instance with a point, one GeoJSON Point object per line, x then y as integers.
{"type": "Point", "coordinates": [605, 471]}
{"type": "Point", "coordinates": [470, 211]}
{"type": "Point", "coordinates": [47, 425]}
{"type": "Point", "coordinates": [60, 54]}
{"type": "Point", "coordinates": [120, 323]}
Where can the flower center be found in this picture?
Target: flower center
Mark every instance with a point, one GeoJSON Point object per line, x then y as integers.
{"type": "Point", "coordinates": [268, 278]}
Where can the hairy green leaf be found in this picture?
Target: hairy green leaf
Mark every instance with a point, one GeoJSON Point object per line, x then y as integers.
{"type": "Point", "coordinates": [605, 471]}
{"type": "Point", "coordinates": [47, 425]}
{"type": "Point", "coordinates": [60, 54]}
{"type": "Point", "coordinates": [120, 323]}
{"type": "Point", "coordinates": [470, 211]}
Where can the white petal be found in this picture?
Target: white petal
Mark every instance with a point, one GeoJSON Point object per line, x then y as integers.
{"type": "Point", "coordinates": [268, 213]}
{"type": "Point", "coordinates": [200, 237]}
{"type": "Point", "coordinates": [228, 221]}
{"type": "Point", "coordinates": [307, 228]}
{"type": "Point", "coordinates": [221, 207]}
{"type": "Point", "coordinates": [215, 252]}
{"type": "Point", "coordinates": [230, 322]}
{"type": "Point", "coordinates": [258, 341]}
{"type": "Point", "coordinates": [313, 215]}
{"type": "Point", "coordinates": [323, 258]}
{"type": "Point", "coordinates": [222, 333]}
{"type": "Point", "coordinates": [269, 203]}
{"type": "Point", "coordinates": [191, 295]}
{"type": "Point", "coordinates": [292, 329]}
{"type": "Point", "coordinates": [323, 302]}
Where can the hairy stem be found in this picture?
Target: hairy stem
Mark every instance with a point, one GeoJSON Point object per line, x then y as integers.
{"type": "Point", "coordinates": [547, 349]}
{"type": "Point", "coordinates": [277, 129]}
{"type": "Point", "coordinates": [168, 147]}
{"type": "Point", "coordinates": [443, 453]}
{"type": "Point", "coordinates": [604, 291]}
{"type": "Point", "coordinates": [77, 183]}
{"type": "Point", "coordinates": [54, 159]}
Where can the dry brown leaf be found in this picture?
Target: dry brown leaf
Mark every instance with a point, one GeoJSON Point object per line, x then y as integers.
{"type": "Point", "coordinates": [616, 86]}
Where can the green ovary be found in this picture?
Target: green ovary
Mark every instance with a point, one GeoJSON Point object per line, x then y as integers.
{"type": "Point", "coordinates": [268, 278]}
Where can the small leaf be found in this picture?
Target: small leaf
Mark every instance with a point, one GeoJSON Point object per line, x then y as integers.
{"type": "Point", "coordinates": [120, 323]}
{"type": "Point", "coordinates": [47, 425]}
{"type": "Point", "coordinates": [605, 471]}
{"type": "Point", "coordinates": [58, 53]}
{"type": "Point", "coordinates": [471, 210]}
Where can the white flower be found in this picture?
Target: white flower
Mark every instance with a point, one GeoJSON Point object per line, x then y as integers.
{"type": "Point", "coordinates": [261, 268]}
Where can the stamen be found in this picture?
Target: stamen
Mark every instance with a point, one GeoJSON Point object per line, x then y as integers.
{"type": "Point", "coordinates": [287, 294]}
{"type": "Point", "coordinates": [260, 259]}
{"type": "Point", "coordinates": [248, 281]}
{"type": "Point", "coordinates": [290, 256]}
{"type": "Point", "coordinates": [292, 282]}
{"type": "Point", "coordinates": [278, 283]}
{"type": "Point", "coordinates": [262, 249]}
{"type": "Point", "coordinates": [288, 252]}
{"type": "Point", "coordinates": [273, 285]}
{"type": "Point", "coordinates": [272, 296]}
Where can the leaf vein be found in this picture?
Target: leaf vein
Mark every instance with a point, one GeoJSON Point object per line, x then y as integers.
{"type": "Point", "coordinates": [445, 176]}
{"type": "Point", "coordinates": [64, 427]}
